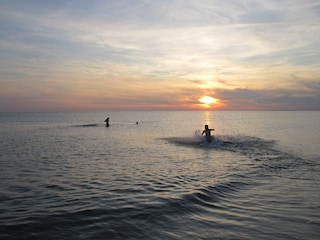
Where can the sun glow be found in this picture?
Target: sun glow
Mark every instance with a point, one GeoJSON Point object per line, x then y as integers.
{"type": "Point", "coordinates": [208, 100]}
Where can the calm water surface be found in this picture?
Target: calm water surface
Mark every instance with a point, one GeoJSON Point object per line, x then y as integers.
{"type": "Point", "coordinates": [67, 176]}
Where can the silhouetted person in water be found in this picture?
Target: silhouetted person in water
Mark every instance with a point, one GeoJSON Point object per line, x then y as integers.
{"type": "Point", "coordinates": [207, 131]}
{"type": "Point", "coordinates": [107, 122]}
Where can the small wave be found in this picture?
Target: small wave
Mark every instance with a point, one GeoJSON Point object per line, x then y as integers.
{"type": "Point", "coordinates": [88, 125]}
{"type": "Point", "coordinates": [212, 196]}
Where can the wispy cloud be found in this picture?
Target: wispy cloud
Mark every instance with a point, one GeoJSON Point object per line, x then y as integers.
{"type": "Point", "coordinates": [133, 50]}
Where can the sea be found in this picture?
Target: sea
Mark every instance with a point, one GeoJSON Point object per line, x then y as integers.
{"type": "Point", "coordinates": [152, 175]}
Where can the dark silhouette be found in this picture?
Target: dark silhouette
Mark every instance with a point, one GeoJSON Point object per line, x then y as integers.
{"type": "Point", "coordinates": [207, 131]}
{"type": "Point", "coordinates": [107, 122]}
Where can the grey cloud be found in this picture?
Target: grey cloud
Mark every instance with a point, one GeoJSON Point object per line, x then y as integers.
{"type": "Point", "coordinates": [279, 99]}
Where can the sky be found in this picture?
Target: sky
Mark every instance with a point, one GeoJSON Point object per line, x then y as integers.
{"type": "Point", "coordinates": [101, 55]}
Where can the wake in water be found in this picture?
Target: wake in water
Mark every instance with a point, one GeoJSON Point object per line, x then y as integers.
{"type": "Point", "coordinates": [88, 125]}
{"type": "Point", "coordinates": [265, 153]}
{"type": "Point", "coordinates": [103, 125]}
{"type": "Point", "coordinates": [226, 142]}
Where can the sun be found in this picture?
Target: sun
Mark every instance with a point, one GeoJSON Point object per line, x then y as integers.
{"type": "Point", "coordinates": [207, 100]}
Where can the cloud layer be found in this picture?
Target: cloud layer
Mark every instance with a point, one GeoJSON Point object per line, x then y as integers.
{"type": "Point", "coordinates": [99, 55]}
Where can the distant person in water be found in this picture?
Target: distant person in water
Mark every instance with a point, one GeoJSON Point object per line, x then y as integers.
{"type": "Point", "coordinates": [207, 131]}
{"type": "Point", "coordinates": [107, 122]}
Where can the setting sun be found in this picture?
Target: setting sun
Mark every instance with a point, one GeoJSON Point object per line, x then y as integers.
{"type": "Point", "coordinates": [207, 100]}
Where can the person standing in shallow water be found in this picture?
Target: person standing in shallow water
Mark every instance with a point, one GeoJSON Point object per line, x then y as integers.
{"type": "Point", "coordinates": [107, 122]}
{"type": "Point", "coordinates": [207, 131]}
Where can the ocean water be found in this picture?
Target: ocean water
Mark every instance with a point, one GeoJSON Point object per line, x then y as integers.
{"type": "Point", "coordinates": [67, 176]}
